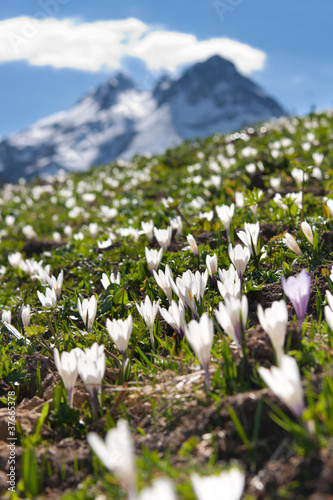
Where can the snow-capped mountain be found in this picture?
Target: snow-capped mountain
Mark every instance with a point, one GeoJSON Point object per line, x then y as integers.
{"type": "Point", "coordinates": [120, 119]}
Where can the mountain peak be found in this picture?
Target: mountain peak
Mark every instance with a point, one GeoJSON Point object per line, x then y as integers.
{"type": "Point", "coordinates": [215, 62]}
{"type": "Point", "coordinates": [107, 93]}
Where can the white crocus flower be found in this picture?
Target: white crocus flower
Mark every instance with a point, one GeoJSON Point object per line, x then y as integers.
{"type": "Point", "coordinates": [285, 382]}
{"type": "Point", "coordinates": [250, 236]}
{"type": "Point", "coordinates": [6, 316]}
{"type": "Point", "coordinates": [229, 288]}
{"type": "Point", "coordinates": [307, 231]}
{"type": "Point", "coordinates": [228, 274]}
{"type": "Point", "coordinates": [106, 243]}
{"type": "Point", "coordinates": [239, 199]}
{"type": "Point", "coordinates": [225, 214]}
{"type": "Point", "coordinates": [120, 331]}
{"type": "Point", "coordinates": [68, 370]}
{"type": "Point", "coordinates": [161, 489]}
{"type": "Point", "coordinates": [26, 315]}
{"type": "Point", "coordinates": [93, 229]}
{"type": "Point", "coordinates": [49, 299]}
{"type": "Point", "coordinates": [191, 288]}
{"type": "Point", "coordinates": [177, 224]}
{"type": "Point", "coordinates": [298, 175]}
{"type": "Point", "coordinates": [10, 220]}
{"type": "Point", "coordinates": [211, 263]}
{"type": "Point", "coordinates": [163, 236]}
{"type": "Point", "coordinates": [328, 310]}
{"type": "Point", "coordinates": [164, 280]}
{"type": "Point", "coordinates": [275, 182]}
{"type": "Point", "coordinates": [153, 258]}
{"type": "Point", "coordinates": [14, 259]}
{"type": "Point", "coordinates": [37, 271]}
{"type": "Point", "coordinates": [230, 282]}
{"type": "Point", "coordinates": [88, 310]}
{"type": "Point", "coordinates": [148, 229]}
{"type": "Point", "coordinates": [228, 485]}
{"type": "Point", "coordinates": [68, 231]}
{"type": "Point", "coordinates": [148, 311]}
{"type": "Point", "coordinates": [175, 316]}
{"type": "Point", "coordinates": [56, 236]}
{"type": "Point", "coordinates": [200, 335]}
{"type": "Point", "coordinates": [117, 454]}
{"type": "Point", "coordinates": [106, 280]}
{"type": "Point", "coordinates": [207, 215]}
{"type": "Point", "coordinates": [317, 173]}
{"type": "Point", "coordinates": [240, 257]}
{"type": "Point", "coordinates": [318, 158]}
{"type": "Point", "coordinates": [291, 243]}
{"type": "Point", "coordinates": [29, 232]}
{"type": "Point", "coordinates": [274, 321]}
{"type": "Point", "coordinates": [232, 316]}
{"type": "Point", "coordinates": [91, 366]}
{"type": "Point", "coordinates": [56, 283]}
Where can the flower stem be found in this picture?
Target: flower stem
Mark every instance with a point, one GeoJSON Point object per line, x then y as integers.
{"type": "Point", "coordinates": [52, 330]}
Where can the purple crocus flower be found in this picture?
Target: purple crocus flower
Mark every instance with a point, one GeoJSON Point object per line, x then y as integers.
{"type": "Point", "coordinates": [297, 289]}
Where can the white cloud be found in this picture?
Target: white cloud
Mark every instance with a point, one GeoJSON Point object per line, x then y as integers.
{"type": "Point", "coordinates": [92, 46]}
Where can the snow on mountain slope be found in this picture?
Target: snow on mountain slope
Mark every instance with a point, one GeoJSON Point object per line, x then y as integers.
{"type": "Point", "coordinates": [118, 120]}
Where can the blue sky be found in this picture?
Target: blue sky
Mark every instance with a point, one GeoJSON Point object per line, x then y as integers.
{"type": "Point", "coordinates": [52, 51]}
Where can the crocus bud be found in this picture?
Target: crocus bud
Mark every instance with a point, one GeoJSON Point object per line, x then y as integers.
{"type": "Point", "coordinates": [285, 382]}
{"type": "Point", "coordinates": [163, 236]}
{"type": "Point", "coordinates": [200, 335]}
{"type": "Point", "coordinates": [26, 315]}
{"type": "Point", "coordinates": [240, 257]}
{"type": "Point", "coordinates": [148, 228]}
{"type": "Point", "coordinates": [297, 288]}
{"type": "Point", "coordinates": [274, 321]}
{"type": "Point", "coordinates": [6, 316]}
{"type": "Point", "coordinates": [148, 311]}
{"type": "Point", "coordinates": [193, 244]}
{"type": "Point", "coordinates": [291, 243]}
{"type": "Point", "coordinates": [153, 258]}
{"type": "Point", "coordinates": [212, 267]}
{"type": "Point", "coordinates": [88, 310]}
{"type": "Point", "coordinates": [68, 370]}
{"type": "Point", "coordinates": [307, 231]}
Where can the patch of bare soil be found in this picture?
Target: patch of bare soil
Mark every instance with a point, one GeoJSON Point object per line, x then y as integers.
{"type": "Point", "coordinates": [36, 247]}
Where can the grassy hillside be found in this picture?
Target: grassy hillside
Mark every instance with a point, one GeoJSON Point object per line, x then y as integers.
{"type": "Point", "coordinates": [183, 417]}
